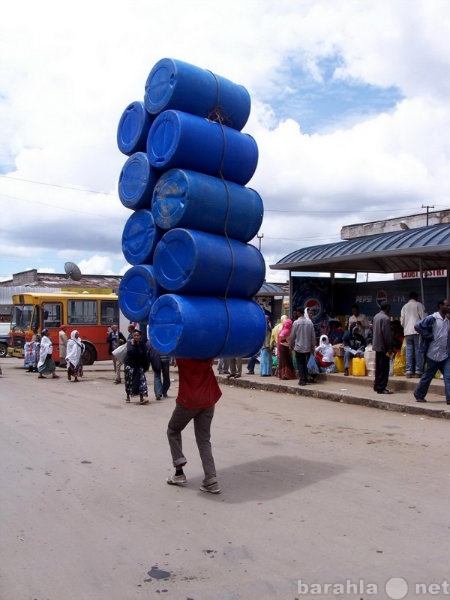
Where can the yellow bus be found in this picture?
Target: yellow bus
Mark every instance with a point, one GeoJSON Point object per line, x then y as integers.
{"type": "Point", "coordinates": [91, 314]}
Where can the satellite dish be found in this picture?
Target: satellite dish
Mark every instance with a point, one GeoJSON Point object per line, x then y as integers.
{"type": "Point", "coordinates": [72, 271]}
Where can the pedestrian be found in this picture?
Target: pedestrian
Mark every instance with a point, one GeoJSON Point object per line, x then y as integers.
{"type": "Point", "coordinates": [435, 332]}
{"type": "Point", "coordinates": [136, 365]}
{"type": "Point", "coordinates": [198, 393]}
{"type": "Point", "coordinates": [62, 338]}
{"type": "Point", "coordinates": [223, 366]}
{"type": "Point", "coordinates": [383, 344]}
{"type": "Point", "coordinates": [411, 313]}
{"type": "Point", "coordinates": [252, 363]}
{"type": "Point", "coordinates": [276, 330]}
{"type": "Point", "coordinates": [265, 362]}
{"type": "Point", "coordinates": [235, 366]}
{"type": "Point", "coordinates": [114, 339]}
{"type": "Point", "coordinates": [302, 340]}
{"type": "Point", "coordinates": [160, 364]}
{"type": "Point", "coordinates": [74, 356]}
{"type": "Point", "coordinates": [285, 365]}
{"type": "Point", "coordinates": [46, 363]}
{"type": "Point", "coordinates": [31, 355]}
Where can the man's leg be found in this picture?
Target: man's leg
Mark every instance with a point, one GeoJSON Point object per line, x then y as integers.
{"type": "Point", "coordinates": [410, 354]}
{"type": "Point", "coordinates": [419, 357]}
{"type": "Point", "coordinates": [422, 387]}
{"type": "Point", "coordinates": [165, 372]}
{"type": "Point", "coordinates": [302, 368]}
{"type": "Point", "coordinates": [202, 428]}
{"type": "Point", "coordinates": [381, 371]}
{"type": "Point", "coordinates": [157, 384]}
{"type": "Point", "coordinates": [445, 370]}
{"type": "Point", "coordinates": [178, 421]}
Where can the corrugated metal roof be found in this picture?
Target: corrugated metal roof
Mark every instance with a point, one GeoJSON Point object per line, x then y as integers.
{"type": "Point", "coordinates": [424, 247]}
{"type": "Point", "coordinates": [272, 289]}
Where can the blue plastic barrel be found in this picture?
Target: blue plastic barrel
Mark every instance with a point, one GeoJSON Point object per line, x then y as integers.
{"type": "Point", "coordinates": [193, 200]}
{"type": "Point", "coordinates": [205, 327]}
{"type": "Point", "coordinates": [139, 238]}
{"type": "Point", "coordinates": [137, 181]}
{"type": "Point", "coordinates": [180, 140]}
{"type": "Point", "coordinates": [138, 291]}
{"type": "Point", "coordinates": [133, 128]}
{"type": "Point", "coordinates": [181, 86]}
{"type": "Point", "coordinates": [194, 262]}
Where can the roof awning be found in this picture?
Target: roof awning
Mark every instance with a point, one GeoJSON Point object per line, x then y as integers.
{"type": "Point", "coordinates": [271, 289]}
{"type": "Point", "coordinates": [426, 248]}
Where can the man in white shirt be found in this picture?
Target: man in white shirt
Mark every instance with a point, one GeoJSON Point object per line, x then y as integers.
{"type": "Point", "coordinates": [412, 312]}
{"type": "Point", "coordinates": [357, 318]}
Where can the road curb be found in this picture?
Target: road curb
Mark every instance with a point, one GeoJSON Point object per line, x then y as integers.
{"type": "Point", "coordinates": [360, 400]}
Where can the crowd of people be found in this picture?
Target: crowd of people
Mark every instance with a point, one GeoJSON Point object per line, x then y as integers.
{"type": "Point", "coordinates": [290, 350]}
{"type": "Point", "coordinates": [296, 350]}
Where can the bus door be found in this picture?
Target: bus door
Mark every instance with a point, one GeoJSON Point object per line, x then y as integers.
{"type": "Point", "coordinates": [51, 319]}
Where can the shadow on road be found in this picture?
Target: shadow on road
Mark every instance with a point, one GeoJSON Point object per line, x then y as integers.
{"type": "Point", "coordinates": [271, 477]}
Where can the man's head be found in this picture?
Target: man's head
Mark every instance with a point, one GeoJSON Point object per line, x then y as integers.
{"type": "Point", "coordinates": [385, 307]}
{"type": "Point", "coordinates": [413, 296]}
{"type": "Point", "coordinates": [114, 328]}
{"type": "Point", "coordinates": [443, 307]}
{"type": "Point", "coordinates": [355, 310]}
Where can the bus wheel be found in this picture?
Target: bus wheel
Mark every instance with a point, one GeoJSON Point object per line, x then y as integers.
{"type": "Point", "coordinates": [89, 354]}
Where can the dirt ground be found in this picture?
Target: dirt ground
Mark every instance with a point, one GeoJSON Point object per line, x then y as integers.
{"type": "Point", "coordinates": [319, 499]}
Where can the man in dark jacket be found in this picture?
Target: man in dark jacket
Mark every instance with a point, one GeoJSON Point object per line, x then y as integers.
{"type": "Point", "coordinates": [383, 344]}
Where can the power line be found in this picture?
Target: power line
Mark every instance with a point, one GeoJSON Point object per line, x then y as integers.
{"type": "Point", "coordinates": [56, 185]}
{"type": "Point", "coordinates": [266, 210]}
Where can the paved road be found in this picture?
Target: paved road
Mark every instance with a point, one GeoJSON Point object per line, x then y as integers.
{"type": "Point", "coordinates": [326, 493]}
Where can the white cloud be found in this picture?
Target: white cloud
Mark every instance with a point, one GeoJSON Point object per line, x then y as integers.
{"type": "Point", "coordinates": [67, 75]}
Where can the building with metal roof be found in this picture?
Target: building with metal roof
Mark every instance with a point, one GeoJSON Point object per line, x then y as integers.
{"type": "Point", "coordinates": [423, 250]}
{"type": "Point", "coordinates": [420, 249]}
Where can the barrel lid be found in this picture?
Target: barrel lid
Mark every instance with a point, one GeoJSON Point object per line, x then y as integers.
{"type": "Point", "coordinates": [139, 238]}
{"type": "Point", "coordinates": [170, 198]}
{"type": "Point", "coordinates": [165, 323]}
{"type": "Point", "coordinates": [133, 128]}
{"type": "Point", "coordinates": [138, 290]}
{"type": "Point", "coordinates": [175, 259]}
{"type": "Point", "coordinates": [136, 181]}
{"type": "Point", "coordinates": [160, 85]}
{"type": "Point", "coordinates": [163, 138]}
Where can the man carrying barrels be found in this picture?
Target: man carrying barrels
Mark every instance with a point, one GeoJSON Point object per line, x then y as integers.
{"type": "Point", "coordinates": [198, 393]}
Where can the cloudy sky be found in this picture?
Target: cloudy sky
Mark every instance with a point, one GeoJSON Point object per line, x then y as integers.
{"type": "Point", "coordinates": [350, 111]}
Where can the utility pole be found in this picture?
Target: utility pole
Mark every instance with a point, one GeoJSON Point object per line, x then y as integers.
{"type": "Point", "coordinates": [428, 209]}
{"type": "Point", "coordinates": [260, 237]}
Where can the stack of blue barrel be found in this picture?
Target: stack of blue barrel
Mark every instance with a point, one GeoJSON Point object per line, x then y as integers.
{"type": "Point", "coordinates": [194, 274]}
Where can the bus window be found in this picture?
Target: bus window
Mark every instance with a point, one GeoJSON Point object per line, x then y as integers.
{"type": "Point", "coordinates": [52, 315]}
{"type": "Point", "coordinates": [21, 316]}
{"type": "Point", "coordinates": [109, 312]}
{"type": "Point", "coordinates": [82, 312]}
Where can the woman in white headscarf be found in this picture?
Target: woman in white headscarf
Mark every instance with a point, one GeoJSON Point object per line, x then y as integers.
{"type": "Point", "coordinates": [74, 356]}
{"type": "Point", "coordinates": [325, 355]}
{"type": "Point", "coordinates": [46, 363]}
